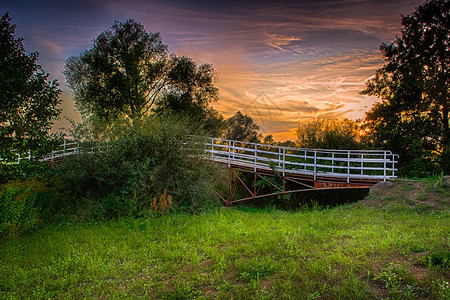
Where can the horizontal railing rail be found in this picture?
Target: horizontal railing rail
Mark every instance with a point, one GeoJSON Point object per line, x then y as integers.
{"type": "Point", "coordinates": [347, 164]}
{"type": "Point", "coordinates": [343, 164]}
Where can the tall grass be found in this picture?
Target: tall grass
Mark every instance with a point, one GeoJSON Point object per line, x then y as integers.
{"type": "Point", "coordinates": [351, 252]}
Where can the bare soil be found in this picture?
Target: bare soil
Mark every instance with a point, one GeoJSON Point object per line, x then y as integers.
{"type": "Point", "coordinates": [422, 195]}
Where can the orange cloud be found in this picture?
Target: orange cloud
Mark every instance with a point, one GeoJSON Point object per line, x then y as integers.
{"type": "Point", "coordinates": [277, 41]}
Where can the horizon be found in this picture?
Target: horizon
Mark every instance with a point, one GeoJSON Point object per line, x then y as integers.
{"type": "Point", "coordinates": [282, 63]}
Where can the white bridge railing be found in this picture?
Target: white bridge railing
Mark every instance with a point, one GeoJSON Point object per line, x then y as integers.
{"type": "Point", "coordinates": [345, 164]}
{"type": "Point", "coordinates": [348, 164]}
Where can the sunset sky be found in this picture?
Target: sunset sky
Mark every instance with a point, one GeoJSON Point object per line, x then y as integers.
{"type": "Point", "coordinates": [282, 62]}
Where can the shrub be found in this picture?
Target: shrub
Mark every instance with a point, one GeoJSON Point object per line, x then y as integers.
{"type": "Point", "coordinates": [26, 169]}
{"type": "Point", "coordinates": [142, 161]}
{"type": "Point", "coordinates": [26, 204]}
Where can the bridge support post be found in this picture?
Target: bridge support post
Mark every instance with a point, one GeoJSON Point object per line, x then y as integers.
{"type": "Point", "coordinates": [230, 187]}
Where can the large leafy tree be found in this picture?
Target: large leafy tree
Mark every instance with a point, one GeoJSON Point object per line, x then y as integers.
{"type": "Point", "coordinates": [128, 72]}
{"type": "Point", "coordinates": [29, 104]}
{"type": "Point", "coordinates": [414, 84]}
{"type": "Point", "coordinates": [241, 127]}
{"type": "Point", "coordinates": [328, 134]}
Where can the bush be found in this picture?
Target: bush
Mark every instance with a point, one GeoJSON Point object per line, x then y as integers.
{"type": "Point", "coordinates": [26, 204]}
{"type": "Point", "coordinates": [141, 162]}
{"type": "Point", "coordinates": [25, 170]}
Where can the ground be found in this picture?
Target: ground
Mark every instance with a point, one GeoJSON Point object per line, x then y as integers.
{"type": "Point", "coordinates": [395, 244]}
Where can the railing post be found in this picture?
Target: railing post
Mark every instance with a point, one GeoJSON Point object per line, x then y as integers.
{"type": "Point", "coordinates": [362, 164]}
{"type": "Point", "coordinates": [315, 163]}
{"type": "Point", "coordinates": [393, 164]}
{"type": "Point", "coordinates": [284, 159]}
{"type": "Point", "coordinates": [64, 151]}
{"type": "Point", "coordinates": [384, 167]}
{"type": "Point", "coordinates": [229, 153]}
{"type": "Point", "coordinates": [304, 164]}
{"type": "Point", "coordinates": [256, 155]}
{"type": "Point", "coordinates": [348, 166]}
{"type": "Point", "coordinates": [234, 145]}
{"type": "Point", "coordinates": [332, 162]}
{"type": "Point", "coordinates": [212, 147]}
{"type": "Point", "coordinates": [279, 157]}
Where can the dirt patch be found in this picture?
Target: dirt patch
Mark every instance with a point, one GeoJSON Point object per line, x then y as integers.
{"type": "Point", "coordinates": [421, 195]}
{"type": "Point", "coordinates": [378, 289]}
{"type": "Point", "coordinates": [206, 263]}
{"type": "Point", "coordinates": [267, 284]}
{"type": "Point", "coordinates": [417, 271]}
{"type": "Point", "coordinates": [414, 268]}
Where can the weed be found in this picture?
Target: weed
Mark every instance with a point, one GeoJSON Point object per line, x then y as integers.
{"type": "Point", "coordinates": [438, 258]}
{"type": "Point", "coordinates": [421, 195]}
{"type": "Point", "coordinates": [421, 208]}
{"type": "Point", "coordinates": [388, 199]}
{"type": "Point", "coordinates": [398, 281]}
{"type": "Point", "coordinates": [409, 201]}
{"type": "Point", "coordinates": [440, 289]}
{"type": "Point", "coordinates": [257, 268]}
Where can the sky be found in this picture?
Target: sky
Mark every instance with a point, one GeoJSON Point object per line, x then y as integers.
{"type": "Point", "coordinates": [281, 62]}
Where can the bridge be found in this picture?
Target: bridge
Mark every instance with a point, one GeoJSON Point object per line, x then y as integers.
{"type": "Point", "coordinates": [297, 169]}
{"type": "Point", "coordinates": [285, 170]}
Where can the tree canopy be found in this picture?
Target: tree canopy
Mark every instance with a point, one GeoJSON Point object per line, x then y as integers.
{"type": "Point", "coordinates": [414, 84]}
{"type": "Point", "coordinates": [241, 127]}
{"type": "Point", "coordinates": [328, 134]}
{"type": "Point", "coordinates": [128, 72]}
{"type": "Point", "coordinates": [29, 104]}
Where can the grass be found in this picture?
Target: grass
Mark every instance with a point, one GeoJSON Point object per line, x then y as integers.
{"type": "Point", "coordinates": [358, 251]}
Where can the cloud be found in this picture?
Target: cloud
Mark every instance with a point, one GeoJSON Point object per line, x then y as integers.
{"type": "Point", "coordinates": [282, 61]}
{"type": "Point", "coordinates": [297, 91]}
{"type": "Point", "coordinates": [277, 41]}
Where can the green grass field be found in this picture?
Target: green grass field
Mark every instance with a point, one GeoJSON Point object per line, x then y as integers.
{"type": "Point", "coordinates": [395, 244]}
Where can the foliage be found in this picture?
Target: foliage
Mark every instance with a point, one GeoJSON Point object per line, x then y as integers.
{"type": "Point", "coordinates": [438, 258]}
{"type": "Point", "coordinates": [268, 140]}
{"type": "Point", "coordinates": [26, 169]}
{"type": "Point", "coordinates": [272, 185]}
{"type": "Point", "coordinates": [28, 103]}
{"type": "Point", "coordinates": [203, 115]}
{"type": "Point", "coordinates": [128, 71]}
{"type": "Point", "coordinates": [398, 281]}
{"type": "Point", "coordinates": [241, 127]}
{"type": "Point", "coordinates": [412, 118]}
{"type": "Point", "coordinates": [26, 204]}
{"type": "Point", "coordinates": [145, 160]}
{"type": "Point", "coordinates": [329, 134]}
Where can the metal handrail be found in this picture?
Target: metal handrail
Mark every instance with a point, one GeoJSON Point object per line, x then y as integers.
{"type": "Point", "coordinates": [349, 164]}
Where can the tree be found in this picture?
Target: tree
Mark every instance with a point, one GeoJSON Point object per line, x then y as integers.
{"type": "Point", "coordinates": [328, 134]}
{"type": "Point", "coordinates": [29, 104]}
{"type": "Point", "coordinates": [128, 71]}
{"type": "Point", "coordinates": [412, 118]}
{"type": "Point", "coordinates": [268, 140]}
{"type": "Point", "coordinates": [241, 127]}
